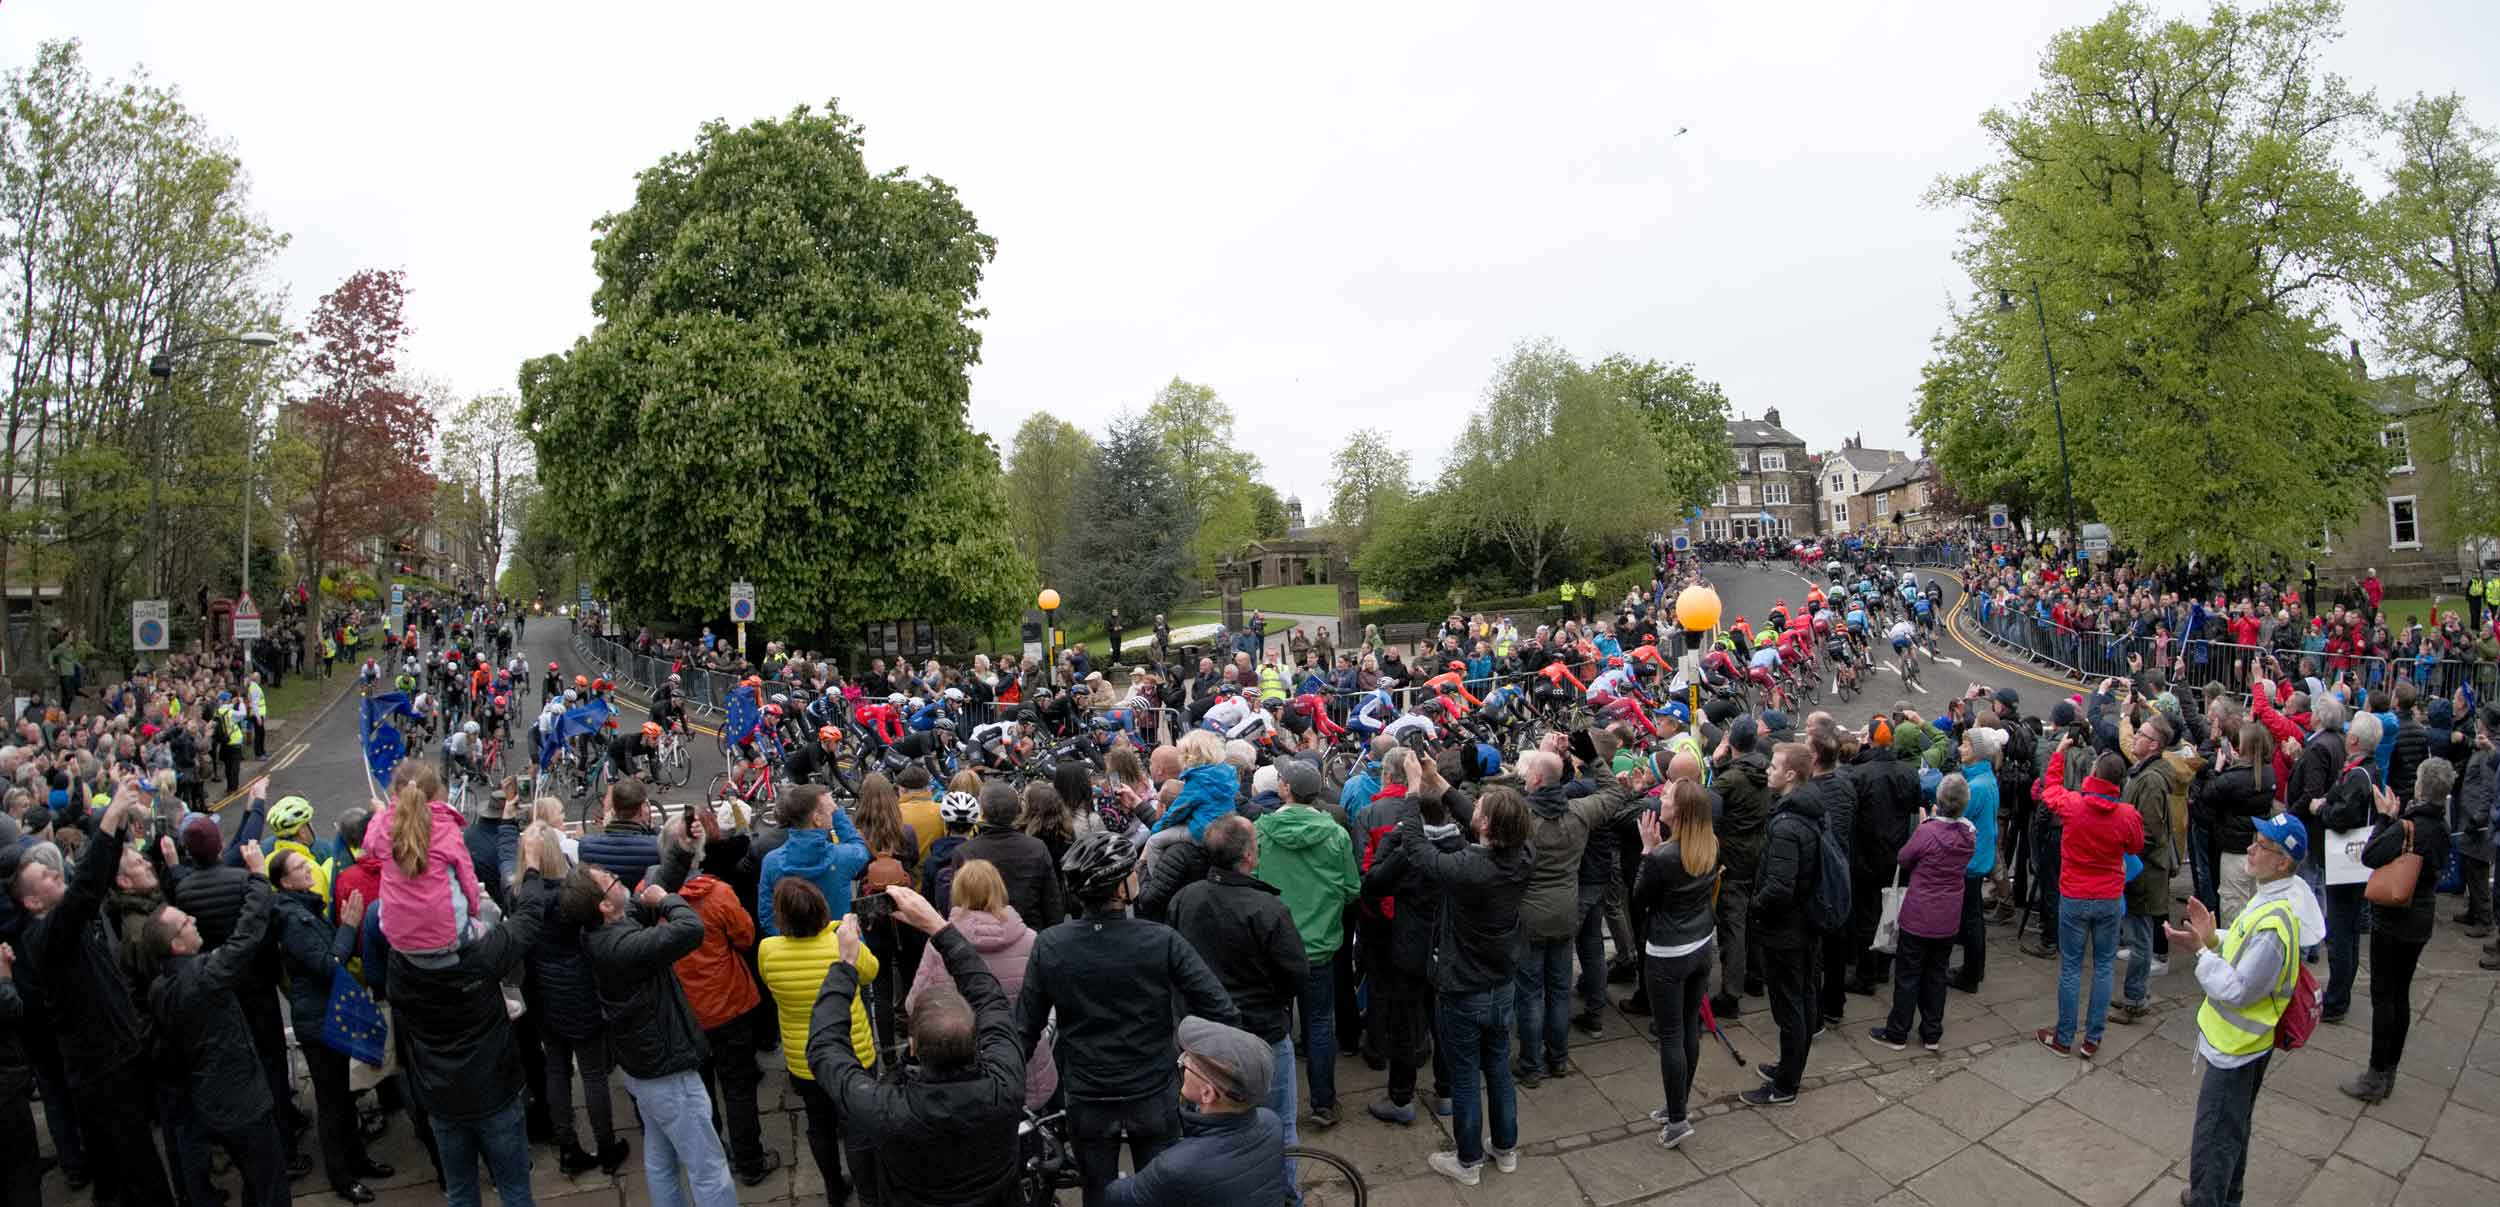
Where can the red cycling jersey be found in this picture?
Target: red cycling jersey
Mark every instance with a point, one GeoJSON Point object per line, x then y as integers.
{"type": "Point", "coordinates": [1315, 708]}
{"type": "Point", "coordinates": [881, 720]}
{"type": "Point", "coordinates": [1558, 674]}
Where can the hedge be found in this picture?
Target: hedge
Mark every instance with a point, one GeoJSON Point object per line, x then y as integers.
{"type": "Point", "coordinates": [1612, 587]}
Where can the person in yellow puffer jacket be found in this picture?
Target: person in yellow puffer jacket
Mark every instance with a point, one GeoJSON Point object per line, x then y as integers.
{"type": "Point", "coordinates": [793, 965]}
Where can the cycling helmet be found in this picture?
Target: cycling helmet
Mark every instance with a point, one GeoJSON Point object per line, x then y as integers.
{"type": "Point", "coordinates": [1456, 665]}
{"type": "Point", "coordinates": [1613, 661]}
{"type": "Point", "coordinates": [954, 695]}
{"type": "Point", "coordinates": [600, 685]}
{"type": "Point", "coordinates": [943, 724]}
{"type": "Point", "coordinates": [569, 697]}
{"type": "Point", "coordinates": [1028, 715]}
{"type": "Point", "coordinates": [919, 702]}
{"type": "Point", "coordinates": [1098, 864]}
{"type": "Point", "coordinates": [500, 701]}
{"type": "Point", "coordinates": [750, 681]}
{"type": "Point", "coordinates": [773, 711]}
{"type": "Point", "coordinates": [651, 730]}
{"type": "Point", "coordinates": [553, 667]}
{"type": "Point", "coordinates": [1277, 703]}
{"type": "Point", "coordinates": [959, 809]}
{"type": "Point", "coordinates": [674, 680]}
{"type": "Point", "coordinates": [290, 814]}
{"type": "Point", "coordinates": [470, 729]}
{"type": "Point", "coordinates": [828, 735]}
{"type": "Point", "coordinates": [781, 698]}
{"type": "Point", "coordinates": [483, 662]}
{"type": "Point", "coordinates": [581, 681]}
{"type": "Point", "coordinates": [897, 699]}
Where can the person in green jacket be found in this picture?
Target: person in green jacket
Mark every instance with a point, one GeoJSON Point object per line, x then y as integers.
{"type": "Point", "coordinates": [1309, 858]}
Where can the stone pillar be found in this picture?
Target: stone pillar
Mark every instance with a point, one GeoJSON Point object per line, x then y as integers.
{"type": "Point", "coordinates": [1349, 603]}
{"type": "Point", "coordinates": [1229, 578]}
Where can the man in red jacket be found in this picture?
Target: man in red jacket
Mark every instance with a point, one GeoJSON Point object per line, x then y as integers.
{"type": "Point", "coordinates": [2100, 832]}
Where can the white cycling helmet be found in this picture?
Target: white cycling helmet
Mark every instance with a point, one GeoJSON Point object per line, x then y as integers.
{"type": "Point", "coordinates": [897, 699]}
{"type": "Point", "coordinates": [470, 729]}
{"type": "Point", "coordinates": [954, 695]}
{"type": "Point", "coordinates": [919, 702]}
{"type": "Point", "coordinates": [569, 697]}
{"type": "Point", "coordinates": [959, 809]}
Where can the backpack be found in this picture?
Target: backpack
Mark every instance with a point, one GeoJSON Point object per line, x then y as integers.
{"type": "Point", "coordinates": [2300, 1015]}
{"type": "Point", "coordinates": [1827, 907]}
{"type": "Point", "coordinates": [883, 872]}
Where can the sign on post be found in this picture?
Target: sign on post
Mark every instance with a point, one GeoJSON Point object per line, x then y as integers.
{"type": "Point", "coordinates": [2096, 538]}
{"type": "Point", "coordinates": [399, 618]}
{"type": "Point", "coordinates": [399, 594]}
{"type": "Point", "coordinates": [1997, 517]}
{"type": "Point", "coordinates": [246, 619]}
{"type": "Point", "coordinates": [150, 624]}
{"type": "Point", "coordinates": [742, 602]}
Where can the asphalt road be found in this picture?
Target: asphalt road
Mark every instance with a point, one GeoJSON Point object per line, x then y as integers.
{"type": "Point", "coordinates": [326, 765]}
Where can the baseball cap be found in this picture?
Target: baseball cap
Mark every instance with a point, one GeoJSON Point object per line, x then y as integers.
{"type": "Point", "coordinates": [1677, 709]}
{"type": "Point", "coordinates": [1241, 1064]}
{"type": "Point", "coordinates": [2287, 832]}
{"type": "Point", "coordinates": [1303, 779]}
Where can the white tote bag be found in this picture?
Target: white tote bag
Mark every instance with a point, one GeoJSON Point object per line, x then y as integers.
{"type": "Point", "coordinates": [1888, 931]}
{"type": "Point", "coordinates": [2343, 856]}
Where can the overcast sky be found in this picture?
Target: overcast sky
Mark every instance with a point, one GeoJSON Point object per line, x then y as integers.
{"type": "Point", "coordinates": [1337, 216]}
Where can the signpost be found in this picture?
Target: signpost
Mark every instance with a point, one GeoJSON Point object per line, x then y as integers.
{"type": "Point", "coordinates": [742, 610]}
{"type": "Point", "coordinates": [150, 627]}
{"type": "Point", "coordinates": [1997, 517]}
{"type": "Point", "coordinates": [246, 621]}
{"type": "Point", "coordinates": [2096, 539]}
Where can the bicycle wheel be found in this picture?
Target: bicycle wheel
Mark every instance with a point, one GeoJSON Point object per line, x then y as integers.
{"type": "Point", "coordinates": [1324, 1179]}
{"type": "Point", "coordinates": [719, 788]}
{"type": "Point", "coordinates": [676, 769]}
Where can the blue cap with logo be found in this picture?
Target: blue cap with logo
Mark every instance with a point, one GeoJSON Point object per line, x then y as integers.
{"type": "Point", "coordinates": [2287, 832]}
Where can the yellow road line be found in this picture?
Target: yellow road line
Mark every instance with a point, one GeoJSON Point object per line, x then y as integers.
{"type": "Point", "coordinates": [1979, 650]}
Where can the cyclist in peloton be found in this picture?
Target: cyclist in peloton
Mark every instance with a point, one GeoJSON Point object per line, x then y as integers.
{"type": "Point", "coordinates": [627, 752]}
{"type": "Point", "coordinates": [1902, 633]}
{"type": "Point", "coordinates": [1230, 711]}
{"type": "Point", "coordinates": [812, 758]}
{"type": "Point", "coordinates": [1118, 987]}
{"type": "Point", "coordinates": [460, 751]}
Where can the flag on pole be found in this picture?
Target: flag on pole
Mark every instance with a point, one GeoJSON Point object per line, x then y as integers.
{"type": "Point", "coordinates": [379, 730]}
{"type": "Point", "coordinates": [589, 718]}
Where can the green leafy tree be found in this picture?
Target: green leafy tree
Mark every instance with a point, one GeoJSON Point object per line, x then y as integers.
{"type": "Point", "coordinates": [2174, 189]}
{"type": "Point", "coordinates": [2438, 295]}
{"type": "Point", "coordinates": [1368, 479]}
{"type": "Point", "coordinates": [1129, 538]}
{"type": "Point", "coordinates": [1267, 512]}
{"type": "Point", "coordinates": [776, 392]}
{"type": "Point", "coordinates": [1196, 430]}
{"type": "Point", "coordinates": [1050, 466]}
{"type": "Point", "coordinates": [487, 455]}
{"type": "Point", "coordinates": [1416, 551]}
{"type": "Point", "coordinates": [1560, 462]}
{"type": "Point", "coordinates": [1688, 416]}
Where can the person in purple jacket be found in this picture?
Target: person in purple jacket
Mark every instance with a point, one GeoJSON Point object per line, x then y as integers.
{"type": "Point", "coordinates": [1931, 916]}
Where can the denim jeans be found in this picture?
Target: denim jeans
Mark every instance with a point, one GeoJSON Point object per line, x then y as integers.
{"type": "Point", "coordinates": [2204, 868]}
{"type": "Point", "coordinates": [1318, 1003]}
{"type": "Point", "coordinates": [2138, 930]}
{"type": "Point", "coordinates": [1543, 988]}
{"type": "Point", "coordinates": [1589, 943]}
{"type": "Point", "coordinates": [2083, 920]}
{"type": "Point", "coordinates": [2226, 1107]}
{"type": "Point", "coordinates": [502, 1139]}
{"type": "Point", "coordinates": [1280, 1098]}
{"type": "Point", "coordinates": [2343, 946]}
{"type": "Point", "coordinates": [677, 1134]}
{"type": "Point", "coordinates": [1477, 1040]}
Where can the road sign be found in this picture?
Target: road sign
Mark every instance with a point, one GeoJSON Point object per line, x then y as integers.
{"type": "Point", "coordinates": [150, 624]}
{"type": "Point", "coordinates": [1683, 542]}
{"type": "Point", "coordinates": [742, 602]}
{"type": "Point", "coordinates": [399, 618]}
{"type": "Point", "coordinates": [585, 597]}
{"type": "Point", "coordinates": [2096, 538]}
{"type": "Point", "coordinates": [399, 594]}
{"type": "Point", "coordinates": [1997, 517]}
{"type": "Point", "coordinates": [246, 619]}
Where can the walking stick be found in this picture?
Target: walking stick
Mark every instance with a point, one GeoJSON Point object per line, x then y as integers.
{"type": "Point", "coordinates": [1710, 1021]}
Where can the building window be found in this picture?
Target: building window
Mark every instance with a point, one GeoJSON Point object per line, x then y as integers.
{"type": "Point", "coordinates": [2404, 526]}
{"type": "Point", "coordinates": [1744, 494]}
{"type": "Point", "coordinates": [1744, 460]}
{"type": "Point", "coordinates": [1835, 483]}
{"type": "Point", "coordinates": [1883, 504]}
{"type": "Point", "coordinates": [1840, 513]}
{"type": "Point", "coordinates": [1721, 498]}
{"type": "Point", "coordinates": [1775, 492]}
{"type": "Point", "coordinates": [1774, 462]}
{"type": "Point", "coordinates": [2399, 448]}
{"type": "Point", "coordinates": [1714, 530]}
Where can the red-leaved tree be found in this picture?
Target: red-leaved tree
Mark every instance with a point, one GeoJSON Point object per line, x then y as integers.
{"type": "Point", "coordinates": [362, 438]}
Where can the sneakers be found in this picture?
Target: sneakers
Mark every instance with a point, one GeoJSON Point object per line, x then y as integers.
{"type": "Point", "coordinates": [1442, 1108]}
{"type": "Point", "coordinates": [1888, 1039]}
{"type": "Point", "coordinates": [1962, 984]}
{"type": "Point", "coordinates": [2370, 1085]}
{"type": "Point", "coordinates": [2129, 1013]}
{"type": "Point", "coordinates": [1591, 1024]}
{"type": "Point", "coordinates": [1527, 1076]}
{"type": "Point", "coordinates": [1658, 1115]}
{"type": "Point", "coordinates": [2038, 950]}
{"type": "Point", "coordinates": [1323, 1117]}
{"type": "Point", "coordinates": [1391, 1112]}
{"type": "Point", "coordinates": [1674, 1133]}
{"type": "Point", "coordinates": [1448, 1165]}
{"type": "Point", "coordinates": [1767, 1095]}
{"type": "Point", "coordinates": [2048, 1039]}
{"type": "Point", "coordinates": [2088, 1049]}
{"type": "Point", "coordinates": [2161, 967]}
{"type": "Point", "coordinates": [572, 1161]}
{"type": "Point", "coordinates": [1931, 1045]}
{"type": "Point", "coordinates": [1505, 1159]}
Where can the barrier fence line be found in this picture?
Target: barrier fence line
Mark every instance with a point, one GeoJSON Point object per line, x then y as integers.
{"type": "Point", "coordinates": [2100, 654]}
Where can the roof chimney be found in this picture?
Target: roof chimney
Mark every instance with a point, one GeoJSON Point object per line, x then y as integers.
{"type": "Point", "coordinates": [1771, 415]}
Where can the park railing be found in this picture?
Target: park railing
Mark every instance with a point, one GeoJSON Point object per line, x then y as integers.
{"type": "Point", "coordinates": [2093, 655]}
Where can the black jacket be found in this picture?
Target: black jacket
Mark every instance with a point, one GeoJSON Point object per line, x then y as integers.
{"type": "Point", "coordinates": [625, 850]}
{"type": "Point", "coordinates": [214, 897]}
{"type": "Point", "coordinates": [2321, 761]}
{"type": "Point", "coordinates": [2430, 840]}
{"type": "Point", "coordinates": [945, 1137]}
{"type": "Point", "coordinates": [1025, 864]}
{"type": "Point", "coordinates": [559, 979]}
{"type": "Point", "coordinates": [2413, 745]}
{"type": "Point", "coordinates": [1791, 865]}
{"type": "Point", "coordinates": [1888, 801]}
{"type": "Point", "coordinates": [1674, 904]}
{"type": "Point", "coordinates": [1482, 893]}
{"type": "Point", "coordinates": [16, 1076]}
{"type": "Point", "coordinates": [101, 1030]}
{"type": "Point", "coordinates": [1180, 865]}
{"type": "Point", "coordinates": [311, 950]}
{"type": "Point", "coordinates": [199, 1021]}
{"type": "Point", "coordinates": [2232, 800]}
{"type": "Point", "coordinates": [1220, 1160]}
{"type": "Point", "coordinates": [652, 1030]}
{"type": "Point", "coordinates": [447, 1012]}
{"type": "Point", "coordinates": [486, 841]}
{"type": "Point", "coordinates": [1121, 986]}
{"type": "Point", "coordinates": [1743, 785]}
{"type": "Point", "coordinates": [2352, 802]}
{"type": "Point", "coordinates": [1241, 928]}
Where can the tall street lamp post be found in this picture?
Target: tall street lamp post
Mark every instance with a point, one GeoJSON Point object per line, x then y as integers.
{"type": "Point", "coordinates": [2065, 469]}
{"type": "Point", "coordinates": [161, 367]}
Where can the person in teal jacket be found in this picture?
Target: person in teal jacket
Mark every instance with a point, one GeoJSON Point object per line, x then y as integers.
{"type": "Point", "coordinates": [823, 848]}
{"type": "Point", "coordinates": [1309, 858]}
{"type": "Point", "coordinates": [1980, 749]}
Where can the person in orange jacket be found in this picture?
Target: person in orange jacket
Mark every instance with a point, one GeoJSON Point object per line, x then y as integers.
{"type": "Point", "coordinates": [723, 996]}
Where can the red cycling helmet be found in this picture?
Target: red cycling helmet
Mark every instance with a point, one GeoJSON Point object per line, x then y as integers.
{"type": "Point", "coordinates": [651, 730]}
{"type": "Point", "coordinates": [828, 734]}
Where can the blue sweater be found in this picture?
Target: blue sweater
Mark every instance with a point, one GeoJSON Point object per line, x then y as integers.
{"type": "Point", "coordinates": [814, 855]}
{"type": "Point", "coordinates": [1982, 815]}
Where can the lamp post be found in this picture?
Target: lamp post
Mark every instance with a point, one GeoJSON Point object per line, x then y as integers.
{"type": "Point", "coordinates": [1048, 602]}
{"type": "Point", "coordinates": [1697, 609]}
{"type": "Point", "coordinates": [2065, 468]}
{"type": "Point", "coordinates": [161, 367]}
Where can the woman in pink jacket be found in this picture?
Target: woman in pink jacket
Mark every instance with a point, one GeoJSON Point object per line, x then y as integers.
{"type": "Point", "coordinates": [982, 915]}
{"type": "Point", "coordinates": [429, 885]}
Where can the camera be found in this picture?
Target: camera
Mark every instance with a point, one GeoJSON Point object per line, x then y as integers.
{"type": "Point", "coordinates": [872, 909]}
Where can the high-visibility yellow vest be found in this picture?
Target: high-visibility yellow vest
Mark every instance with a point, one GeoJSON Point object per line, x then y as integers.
{"type": "Point", "coordinates": [1569, 592]}
{"type": "Point", "coordinates": [2491, 590]}
{"type": "Point", "coordinates": [2246, 1031]}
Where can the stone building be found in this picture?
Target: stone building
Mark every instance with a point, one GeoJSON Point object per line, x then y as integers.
{"type": "Point", "coordinates": [1843, 474]}
{"type": "Point", "coordinates": [1773, 492]}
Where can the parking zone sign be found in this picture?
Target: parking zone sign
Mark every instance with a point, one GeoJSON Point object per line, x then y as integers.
{"type": "Point", "coordinates": [742, 602]}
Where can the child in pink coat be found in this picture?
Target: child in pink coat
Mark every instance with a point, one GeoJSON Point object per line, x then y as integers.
{"type": "Point", "coordinates": [429, 885]}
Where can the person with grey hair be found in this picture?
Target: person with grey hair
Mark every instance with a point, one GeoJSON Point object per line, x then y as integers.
{"type": "Point", "coordinates": [2313, 771]}
{"type": "Point", "coordinates": [2345, 810]}
{"type": "Point", "coordinates": [2399, 932]}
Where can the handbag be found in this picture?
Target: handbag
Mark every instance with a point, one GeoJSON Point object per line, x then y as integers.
{"type": "Point", "coordinates": [354, 1023]}
{"type": "Point", "coordinates": [2392, 883]}
{"type": "Point", "coordinates": [1888, 930]}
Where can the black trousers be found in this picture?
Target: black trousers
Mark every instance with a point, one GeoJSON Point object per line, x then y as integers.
{"type": "Point", "coordinates": [21, 1181]}
{"type": "Point", "coordinates": [1918, 984]}
{"type": "Point", "coordinates": [824, 1135]}
{"type": "Point", "coordinates": [1407, 1005]}
{"type": "Point", "coordinates": [2392, 961]}
{"type": "Point", "coordinates": [254, 1146]}
{"type": "Point", "coordinates": [343, 1157]}
{"type": "Point", "coordinates": [1974, 937]}
{"type": "Point", "coordinates": [263, 1015]}
{"type": "Point", "coordinates": [1677, 985]}
{"type": "Point", "coordinates": [732, 1077]}
{"type": "Point", "coordinates": [1148, 1125]}
{"type": "Point", "coordinates": [121, 1154]}
{"type": "Point", "coordinates": [1788, 978]}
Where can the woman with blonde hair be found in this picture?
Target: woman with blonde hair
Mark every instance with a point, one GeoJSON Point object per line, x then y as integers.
{"type": "Point", "coordinates": [549, 811]}
{"type": "Point", "coordinates": [981, 914]}
{"type": "Point", "coordinates": [1130, 797]}
{"type": "Point", "coordinates": [967, 781]}
{"type": "Point", "coordinates": [429, 882]}
{"type": "Point", "coordinates": [1675, 893]}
